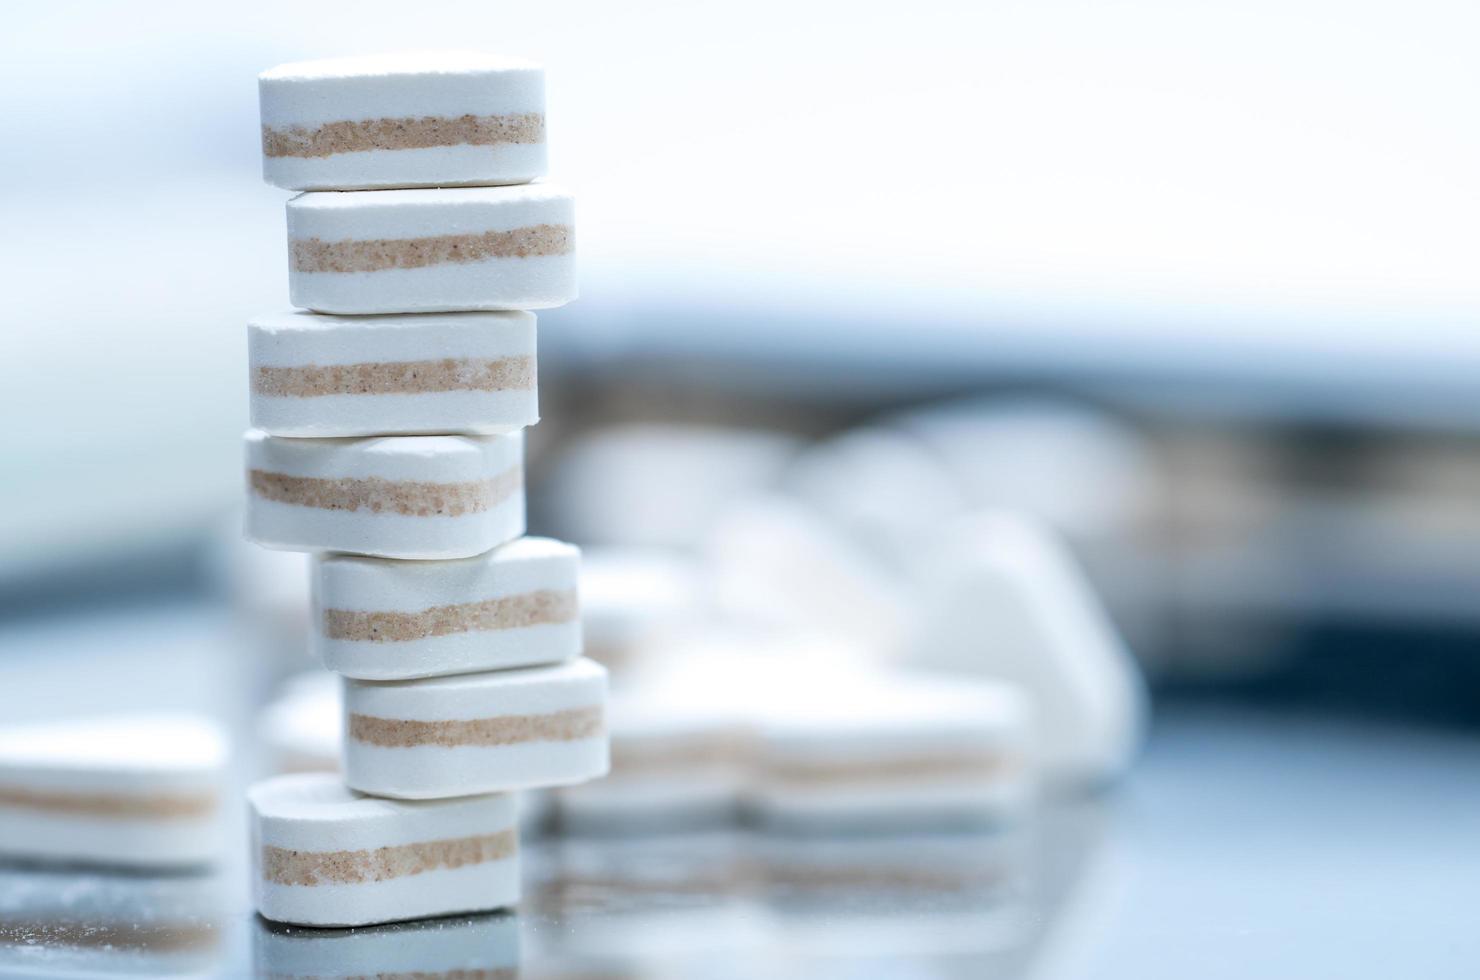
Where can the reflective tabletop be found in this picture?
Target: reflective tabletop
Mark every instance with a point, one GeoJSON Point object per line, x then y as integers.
{"type": "Point", "coordinates": [1245, 844]}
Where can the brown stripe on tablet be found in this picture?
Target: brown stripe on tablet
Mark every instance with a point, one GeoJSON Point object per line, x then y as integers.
{"type": "Point", "coordinates": [376, 254]}
{"type": "Point", "coordinates": [678, 755]}
{"type": "Point", "coordinates": [291, 867]}
{"type": "Point", "coordinates": [410, 133]}
{"type": "Point", "coordinates": [397, 377]}
{"type": "Point", "coordinates": [412, 498]}
{"type": "Point", "coordinates": [646, 881]}
{"type": "Point", "coordinates": [544, 606]}
{"type": "Point", "coordinates": [883, 878]}
{"type": "Point", "coordinates": [963, 765]}
{"type": "Point", "coordinates": [569, 725]}
{"type": "Point", "coordinates": [158, 805]}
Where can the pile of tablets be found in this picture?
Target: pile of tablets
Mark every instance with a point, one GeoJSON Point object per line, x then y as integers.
{"type": "Point", "coordinates": [387, 440]}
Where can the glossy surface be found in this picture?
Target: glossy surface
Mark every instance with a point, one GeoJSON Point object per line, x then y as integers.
{"type": "Point", "coordinates": [1241, 848]}
{"type": "Point", "coordinates": [1245, 844]}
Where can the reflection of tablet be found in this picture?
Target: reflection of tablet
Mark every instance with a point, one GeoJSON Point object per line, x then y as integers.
{"type": "Point", "coordinates": [70, 923]}
{"type": "Point", "coordinates": [472, 945]}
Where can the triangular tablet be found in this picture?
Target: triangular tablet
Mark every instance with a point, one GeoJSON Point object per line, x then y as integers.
{"type": "Point", "coordinates": [1007, 599]}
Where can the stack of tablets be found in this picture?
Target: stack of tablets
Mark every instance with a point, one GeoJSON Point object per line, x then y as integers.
{"type": "Point", "coordinates": [387, 441]}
